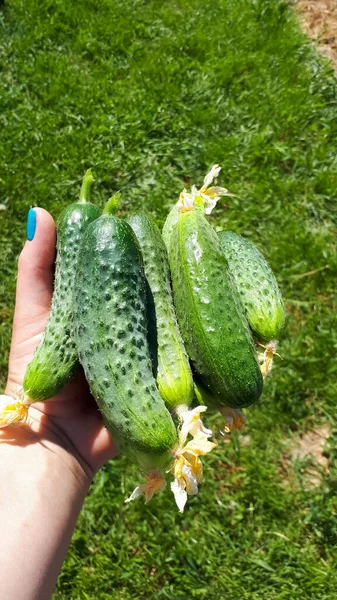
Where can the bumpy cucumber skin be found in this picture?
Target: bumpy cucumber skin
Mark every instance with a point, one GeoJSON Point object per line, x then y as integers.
{"type": "Point", "coordinates": [171, 221]}
{"type": "Point", "coordinates": [174, 376]}
{"type": "Point", "coordinates": [55, 359]}
{"type": "Point", "coordinates": [111, 329]}
{"type": "Point", "coordinates": [257, 286]}
{"type": "Point", "coordinates": [210, 315]}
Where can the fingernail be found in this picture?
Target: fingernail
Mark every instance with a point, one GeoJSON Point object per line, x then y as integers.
{"type": "Point", "coordinates": [31, 224]}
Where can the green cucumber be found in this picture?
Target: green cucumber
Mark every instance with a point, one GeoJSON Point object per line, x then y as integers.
{"type": "Point", "coordinates": [257, 286]}
{"type": "Point", "coordinates": [55, 359]}
{"type": "Point", "coordinates": [111, 331]}
{"type": "Point", "coordinates": [210, 314]}
{"type": "Point", "coordinates": [174, 376]}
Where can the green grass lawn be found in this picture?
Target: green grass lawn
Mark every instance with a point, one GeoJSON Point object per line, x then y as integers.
{"type": "Point", "coordinates": [151, 93]}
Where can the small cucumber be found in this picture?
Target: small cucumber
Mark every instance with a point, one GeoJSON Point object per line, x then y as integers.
{"type": "Point", "coordinates": [209, 311]}
{"type": "Point", "coordinates": [174, 376]}
{"type": "Point", "coordinates": [111, 330]}
{"type": "Point", "coordinates": [55, 358]}
{"type": "Point", "coordinates": [257, 286]}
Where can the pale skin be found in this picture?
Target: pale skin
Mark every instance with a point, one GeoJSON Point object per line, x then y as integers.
{"type": "Point", "coordinates": [46, 465]}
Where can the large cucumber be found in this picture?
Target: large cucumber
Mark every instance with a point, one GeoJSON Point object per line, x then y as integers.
{"type": "Point", "coordinates": [55, 358]}
{"type": "Point", "coordinates": [111, 328]}
{"type": "Point", "coordinates": [210, 314]}
{"type": "Point", "coordinates": [174, 376]}
{"type": "Point", "coordinates": [257, 286]}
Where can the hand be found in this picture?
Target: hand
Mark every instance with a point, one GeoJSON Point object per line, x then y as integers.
{"type": "Point", "coordinates": [70, 420]}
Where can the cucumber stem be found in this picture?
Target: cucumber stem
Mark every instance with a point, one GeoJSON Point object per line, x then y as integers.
{"type": "Point", "coordinates": [86, 185]}
{"type": "Point", "coordinates": [112, 204]}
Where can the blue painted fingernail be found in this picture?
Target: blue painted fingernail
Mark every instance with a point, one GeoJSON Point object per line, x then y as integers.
{"type": "Point", "coordinates": [31, 224]}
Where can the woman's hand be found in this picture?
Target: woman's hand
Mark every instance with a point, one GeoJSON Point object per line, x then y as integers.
{"type": "Point", "coordinates": [46, 464]}
{"type": "Point", "coordinates": [71, 419]}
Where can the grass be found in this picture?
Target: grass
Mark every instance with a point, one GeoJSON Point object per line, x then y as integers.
{"type": "Point", "coordinates": [150, 94]}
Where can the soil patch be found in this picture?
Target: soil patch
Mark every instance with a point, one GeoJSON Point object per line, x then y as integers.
{"type": "Point", "coordinates": [308, 448]}
{"type": "Point", "coordinates": [319, 20]}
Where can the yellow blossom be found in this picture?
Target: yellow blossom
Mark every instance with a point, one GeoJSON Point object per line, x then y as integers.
{"type": "Point", "coordinates": [191, 422]}
{"type": "Point", "coordinates": [196, 466]}
{"type": "Point", "coordinates": [185, 482]}
{"type": "Point", "coordinates": [13, 410]}
{"type": "Point", "coordinates": [208, 195]}
{"type": "Point", "coordinates": [235, 419]}
{"type": "Point", "coordinates": [266, 358]}
{"type": "Point", "coordinates": [199, 446]}
{"type": "Point", "coordinates": [154, 482]}
{"type": "Point", "coordinates": [187, 468]}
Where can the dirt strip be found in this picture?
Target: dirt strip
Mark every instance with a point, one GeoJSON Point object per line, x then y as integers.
{"type": "Point", "coordinates": [319, 20]}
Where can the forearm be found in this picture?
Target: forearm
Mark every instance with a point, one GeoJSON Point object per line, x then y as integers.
{"type": "Point", "coordinates": [42, 488]}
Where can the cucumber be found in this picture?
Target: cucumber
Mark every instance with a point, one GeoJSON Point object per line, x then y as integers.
{"type": "Point", "coordinates": [257, 286]}
{"type": "Point", "coordinates": [174, 376]}
{"type": "Point", "coordinates": [111, 333]}
{"type": "Point", "coordinates": [55, 359]}
{"type": "Point", "coordinates": [210, 314]}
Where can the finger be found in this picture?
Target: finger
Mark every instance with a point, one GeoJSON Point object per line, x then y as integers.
{"type": "Point", "coordinates": [35, 279]}
{"type": "Point", "coordinates": [33, 293]}
{"type": "Point", "coordinates": [36, 269]}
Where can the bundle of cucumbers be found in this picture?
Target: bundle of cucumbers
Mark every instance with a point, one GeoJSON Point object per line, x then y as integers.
{"type": "Point", "coordinates": [159, 323]}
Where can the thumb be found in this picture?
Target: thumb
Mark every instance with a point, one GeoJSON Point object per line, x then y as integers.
{"type": "Point", "coordinates": [34, 286]}
{"type": "Point", "coordinates": [36, 268]}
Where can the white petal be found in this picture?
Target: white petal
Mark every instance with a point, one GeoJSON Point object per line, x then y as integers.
{"type": "Point", "coordinates": [216, 192]}
{"type": "Point", "coordinates": [5, 400]}
{"type": "Point", "coordinates": [199, 445]}
{"type": "Point", "coordinates": [203, 430]}
{"type": "Point", "coordinates": [209, 203]}
{"type": "Point", "coordinates": [198, 428]}
{"type": "Point", "coordinates": [212, 174]}
{"type": "Point", "coordinates": [138, 491]}
{"type": "Point", "coordinates": [180, 494]}
{"type": "Point", "coordinates": [191, 481]}
{"type": "Point", "coordinates": [194, 192]}
{"type": "Point", "coordinates": [198, 409]}
{"type": "Point", "coordinates": [186, 201]}
{"type": "Point", "coordinates": [191, 423]}
{"type": "Point", "coordinates": [185, 413]}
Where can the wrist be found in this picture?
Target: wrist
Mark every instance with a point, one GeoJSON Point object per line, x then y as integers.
{"type": "Point", "coordinates": [43, 492]}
